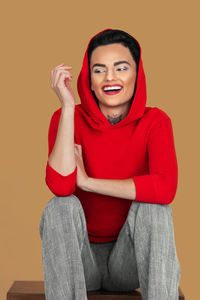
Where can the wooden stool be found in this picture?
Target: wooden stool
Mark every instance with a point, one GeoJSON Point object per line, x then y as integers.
{"type": "Point", "coordinates": [34, 290]}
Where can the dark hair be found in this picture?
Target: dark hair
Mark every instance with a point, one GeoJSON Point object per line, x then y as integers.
{"type": "Point", "coordinates": [111, 36]}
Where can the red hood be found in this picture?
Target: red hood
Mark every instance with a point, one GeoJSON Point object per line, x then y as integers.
{"type": "Point", "coordinates": [89, 106]}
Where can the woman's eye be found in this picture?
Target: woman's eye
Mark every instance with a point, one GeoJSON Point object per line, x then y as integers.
{"type": "Point", "coordinates": [122, 68]}
{"type": "Point", "coordinates": [98, 70]}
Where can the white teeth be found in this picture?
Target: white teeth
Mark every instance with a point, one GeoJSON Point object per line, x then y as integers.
{"type": "Point", "coordinates": [110, 88]}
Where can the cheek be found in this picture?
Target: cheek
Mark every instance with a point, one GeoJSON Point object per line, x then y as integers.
{"type": "Point", "coordinates": [95, 83]}
{"type": "Point", "coordinates": [130, 81]}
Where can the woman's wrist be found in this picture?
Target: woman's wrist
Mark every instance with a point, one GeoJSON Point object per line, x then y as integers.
{"type": "Point", "coordinates": [68, 109]}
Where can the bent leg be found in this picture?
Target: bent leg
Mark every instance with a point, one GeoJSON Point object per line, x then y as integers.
{"type": "Point", "coordinates": [144, 255]}
{"type": "Point", "coordinates": [69, 265]}
{"type": "Point", "coordinates": [156, 256]}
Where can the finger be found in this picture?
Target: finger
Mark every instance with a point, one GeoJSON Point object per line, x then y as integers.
{"type": "Point", "coordinates": [77, 155]}
{"type": "Point", "coordinates": [76, 150]}
{"type": "Point", "coordinates": [59, 67]}
{"type": "Point", "coordinates": [64, 75]}
{"type": "Point", "coordinates": [53, 70]}
{"type": "Point", "coordinates": [80, 150]}
{"type": "Point", "coordinates": [60, 78]}
{"type": "Point", "coordinates": [63, 81]}
{"type": "Point", "coordinates": [56, 74]}
{"type": "Point", "coordinates": [62, 65]}
{"type": "Point", "coordinates": [76, 145]}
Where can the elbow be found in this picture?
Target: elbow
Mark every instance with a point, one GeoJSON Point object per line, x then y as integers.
{"type": "Point", "coordinates": [59, 189]}
{"type": "Point", "coordinates": [168, 200]}
{"type": "Point", "coordinates": [166, 190]}
{"type": "Point", "coordinates": [58, 184]}
{"type": "Point", "coordinates": [171, 193]}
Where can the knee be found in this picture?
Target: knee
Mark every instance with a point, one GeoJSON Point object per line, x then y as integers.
{"type": "Point", "coordinates": [59, 209]}
{"type": "Point", "coordinates": [70, 203]}
{"type": "Point", "coordinates": [151, 215]}
{"type": "Point", "coordinates": [157, 218]}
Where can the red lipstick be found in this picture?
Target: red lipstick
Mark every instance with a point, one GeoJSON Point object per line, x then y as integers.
{"type": "Point", "coordinates": [112, 89]}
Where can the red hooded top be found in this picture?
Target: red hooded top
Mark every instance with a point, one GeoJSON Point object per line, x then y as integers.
{"type": "Point", "coordinates": [140, 146]}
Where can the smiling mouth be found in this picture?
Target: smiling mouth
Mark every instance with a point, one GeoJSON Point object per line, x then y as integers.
{"type": "Point", "coordinates": [112, 90]}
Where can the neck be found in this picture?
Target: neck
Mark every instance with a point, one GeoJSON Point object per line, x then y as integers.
{"type": "Point", "coordinates": [115, 114]}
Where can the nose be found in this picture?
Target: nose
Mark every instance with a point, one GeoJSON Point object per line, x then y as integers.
{"type": "Point", "coordinates": [110, 75]}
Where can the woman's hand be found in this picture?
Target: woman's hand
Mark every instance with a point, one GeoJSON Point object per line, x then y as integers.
{"type": "Point", "coordinates": [60, 77]}
{"type": "Point", "coordinates": [82, 177]}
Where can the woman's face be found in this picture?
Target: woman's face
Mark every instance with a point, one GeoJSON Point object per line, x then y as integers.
{"type": "Point", "coordinates": [113, 74]}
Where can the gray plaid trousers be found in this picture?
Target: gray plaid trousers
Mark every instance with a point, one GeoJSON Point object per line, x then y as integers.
{"type": "Point", "coordinates": [143, 256]}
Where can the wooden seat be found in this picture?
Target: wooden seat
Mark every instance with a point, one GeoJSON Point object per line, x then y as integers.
{"type": "Point", "coordinates": [34, 290]}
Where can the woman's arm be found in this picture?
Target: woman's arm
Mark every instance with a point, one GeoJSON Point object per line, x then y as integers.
{"type": "Point", "coordinates": [160, 185]}
{"type": "Point", "coordinates": [121, 188]}
{"type": "Point", "coordinates": [61, 167]}
{"type": "Point", "coordinates": [62, 158]}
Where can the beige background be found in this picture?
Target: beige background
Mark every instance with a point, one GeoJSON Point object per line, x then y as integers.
{"type": "Point", "coordinates": [38, 35]}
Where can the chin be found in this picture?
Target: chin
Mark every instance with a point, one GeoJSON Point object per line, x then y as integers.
{"type": "Point", "coordinates": [110, 103]}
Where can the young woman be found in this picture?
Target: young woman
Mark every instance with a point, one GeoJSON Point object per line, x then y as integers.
{"type": "Point", "coordinates": [113, 169]}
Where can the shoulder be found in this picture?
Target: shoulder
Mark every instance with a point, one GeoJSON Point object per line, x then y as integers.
{"type": "Point", "coordinates": [156, 115]}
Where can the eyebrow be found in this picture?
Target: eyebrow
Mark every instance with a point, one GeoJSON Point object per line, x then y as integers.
{"type": "Point", "coordinates": [115, 64]}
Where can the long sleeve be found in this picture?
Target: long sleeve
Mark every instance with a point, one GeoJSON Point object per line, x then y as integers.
{"type": "Point", "coordinates": [160, 185]}
{"type": "Point", "coordinates": [59, 185]}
